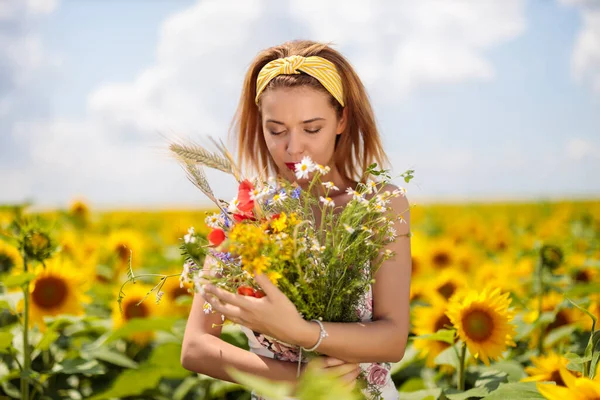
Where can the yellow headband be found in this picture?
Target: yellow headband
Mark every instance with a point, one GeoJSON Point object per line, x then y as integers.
{"type": "Point", "coordinates": [318, 67]}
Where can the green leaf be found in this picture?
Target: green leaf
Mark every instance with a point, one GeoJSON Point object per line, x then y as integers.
{"type": "Point", "coordinates": [583, 290]}
{"type": "Point", "coordinates": [12, 281]}
{"type": "Point", "coordinates": [49, 337]}
{"type": "Point", "coordinates": [264, 387]}
{"type": "Point", "coordinates": [516, 391]}
{"type": "Point", "coordinates": [5, 341]}
{"type": "Point", "coordinates": [185, 387]}
{"type": "Point", "coordinates": [413, 384]}
{"type": "Point", "coordinates": [113, 357]}
{"type": "Point", "coordinates": [475, 392]}
{"type": "Point", "coordinates": [559, 334]}
{"type": "Point", "coordinates": [447, 357]}
{"type": "Point", "coordinates": [138, 325]}
{"type": "Point", "coordinates": [595, 354]}
{"type": "Point", "coordinates": [427, 394]}
{"type": "Point", "coordinates": [132, 382]}
{"type": "Point", "coordinates": [79, 366]}
{"type": "Point", "coordinates": [442, 335]}
{"type": "Point", "coordinates": [167, 358]}
{"type": "Point", "coordinates": [513, 369]}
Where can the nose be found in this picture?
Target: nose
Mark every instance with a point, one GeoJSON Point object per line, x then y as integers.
{"type": "Point", "coordinates": [295, 144]}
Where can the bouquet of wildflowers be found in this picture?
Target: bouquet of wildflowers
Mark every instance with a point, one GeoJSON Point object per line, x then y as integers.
{"type": "Point", "coordinates": [324, 261]}
{"type": "Point", "coordinates": [324, 267]}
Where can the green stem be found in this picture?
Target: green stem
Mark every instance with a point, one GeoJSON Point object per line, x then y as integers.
{"type": "Point", "coordinates": [26, 355]}
{"type": "Point", "coordinates": [540, 271]}
{"type": "Point", "coordinates": [461, 367]}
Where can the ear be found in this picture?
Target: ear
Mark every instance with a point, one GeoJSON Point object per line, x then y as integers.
{"type": "Point", "coordinates": [342, 122]}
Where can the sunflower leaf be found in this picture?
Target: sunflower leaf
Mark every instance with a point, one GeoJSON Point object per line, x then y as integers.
{"type": "Point", "coordinates": [79, 366]}
{"type": "Point", "coordinates": [112, 357]}
{"type": "Point", "coordinates": [137, 325]}
{"type": "Point", "coordinates": [5, 341]}
{"type": "Point", "coordinates": [595, 354]}
{"type": "Point", "coordinates": [447, 357]}
{"type": "Point", "coordinates": [263, 386]}
{"type": "Point", "coordinates": [442, 335]}
{"type": "Point", "coordinates": [18, 280]}
{"type": "Point", "coordinates": [426, 394]}
{"type": "Point", "coordinates": [475, 392]}
{"type": "Point", "coordinates": [515, 391]}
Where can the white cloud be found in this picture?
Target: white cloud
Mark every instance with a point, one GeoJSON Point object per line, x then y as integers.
{"type": "Point", "coordinates": [193, 87]}
{"type": "Point", "coordinates": [585, 60]}
{"type": "Point", "coordinates": [579, 149]}
{"type": "Point", "coordinates": [409, 44]}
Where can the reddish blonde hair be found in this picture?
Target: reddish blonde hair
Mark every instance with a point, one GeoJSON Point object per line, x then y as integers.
{"type": "Point", "coordinates": [356, 148]}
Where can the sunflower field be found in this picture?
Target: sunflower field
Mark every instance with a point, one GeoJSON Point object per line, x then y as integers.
{"type": "Point", "coordinates": [504, 304]}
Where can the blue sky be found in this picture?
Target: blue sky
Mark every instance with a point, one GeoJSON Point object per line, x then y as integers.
{"type": "Point", "coordinates": [485, 100]}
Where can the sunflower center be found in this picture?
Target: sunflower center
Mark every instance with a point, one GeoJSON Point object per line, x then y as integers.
{"type": "Point", "coordinates": [133, 310]}
{"type": "Point", "coordinates": [582, 276]}
{"type": "Point", "coordinates": [49, 292]}
{"type": "Point", "coordinates": [447, 289]}
{"type": "Point", "coordinates": [6, 263]}
{"type": "Point", "coordinates": [561, 320]}
{"type": "Point", "coordinates": [478, 325]}
{"type": "Point", "coordinates": [178, 291]}
{"type": "Point", "coordinates": [441, 260]}
{"type": "Point", "coordinates": [122, 252]}
{"type": "Point", "coordinates": [555, 376]}
{"type": "Point", "coordinates": [441, 323]}
{"type": "Point", "coordinates": [415, 264]}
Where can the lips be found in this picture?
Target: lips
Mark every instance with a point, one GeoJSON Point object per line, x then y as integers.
{"type": "Point", "coordinates": [291, 166]}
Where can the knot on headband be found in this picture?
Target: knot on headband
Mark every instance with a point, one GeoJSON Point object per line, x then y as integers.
{"type": "Point", "coordinates": [318, 67]}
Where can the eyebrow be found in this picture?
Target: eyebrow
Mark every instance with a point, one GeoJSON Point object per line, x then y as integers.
{"type": "Point", "coordinates": [304, 122]}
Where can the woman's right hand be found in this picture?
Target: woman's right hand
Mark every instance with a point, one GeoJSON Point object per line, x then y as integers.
{"type": "Point", "coordinates": [346, 372]}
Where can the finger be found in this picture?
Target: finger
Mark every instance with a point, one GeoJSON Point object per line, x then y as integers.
{"type": "Point", "coordinates": [332, 361]}
{"type": "Point", "coordinates": [227, 297]}
{"type": "Point", "coordinates": [266, 285]}
{"type": "Point", "coordinates": [228, 310]}
{"type": "Point", "coordinates": [351, 376]}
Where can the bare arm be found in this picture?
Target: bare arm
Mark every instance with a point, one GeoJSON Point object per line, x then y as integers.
{"type": "Point", "coordinates": [204, 352]}
{"type": "Point", "coordinates": [384, 339]}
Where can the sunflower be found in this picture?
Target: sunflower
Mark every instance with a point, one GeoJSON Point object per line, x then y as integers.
{"type": "Point", "coordinates": [428, 320]}
{"type": "Point", "coordinates": [148, 308]}
{"type": "Point", "coordinates": [483, 321]}
{"type": "Point", "coordinates": [511, 281]}
{"type": "Point", "coordinates": [80, 211]}
{"type": "Point", "coordinates": [448, 282]}
{"type": "Point", "coordinates": [57, 289]}
{"type": "Point", "coordinates": [576, 388]}
{"type": "Point", "coordinates": [551, 302]}
{"type": "Point", "coordinates": [441, 256]}
{"type": "Point", "coordinates": [546, 368]}
{"type": "Point", "coordinates": [121, 245]}
{"type": "Point", "coordinates": [174, 290]}
{"type": "Point", "coordinates": [10, 258]}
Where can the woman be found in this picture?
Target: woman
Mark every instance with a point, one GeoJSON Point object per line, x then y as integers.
{"type": "Point", "coordinates": [304, 99]}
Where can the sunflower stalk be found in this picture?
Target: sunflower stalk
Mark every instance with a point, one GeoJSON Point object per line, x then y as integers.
{"type": "Point", "coordinates": [461, 366]}
{"type": "Point", "coordinates": [26, 353]}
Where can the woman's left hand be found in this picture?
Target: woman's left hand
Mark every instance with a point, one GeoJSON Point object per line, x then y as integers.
{"type": "Point", "coordinates": [273, 315]}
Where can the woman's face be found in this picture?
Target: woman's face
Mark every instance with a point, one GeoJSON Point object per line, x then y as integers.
{"type": "Point", "coordinates": [299, 122]}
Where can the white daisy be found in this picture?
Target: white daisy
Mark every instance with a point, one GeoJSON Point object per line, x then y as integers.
{"type": "Point", "coordinates": [190, 238]}
{"type": "Point", "coordinates": [213, 220]}
{"type": "Point", "coordinates": [256, 194]}
{"type": "Point", "coordinates": [323, 170]}
{"type": "Point", "coordinates": [378, 207]}
{"type": "Point", "coordinates": [355, 195]}
{"type": "Point", "coordinates": [330, 185]}
{"type": "Point", "coordinates": [368, 230]}
{"type": "Point", "coordinates": [207, 308]}
{"type": "Point", "coordinates": [327, 201]}
{"type": "Point", "coordinates": [316, 246]}
{"type": "Point", "coordinates": [349, 229]}
{"type": "Point", "coordinates": [280, 197]}
{"type": "Point", "coordinates": [304, 167]}
{"type": "Point", "coordinates": [392, 233]}
{"type": "Point", "coordinates": [233, 206]}
{"type": "Point", "coordinates": [371, 186]}
{"type": "Point", "coordinates": [399, 192]}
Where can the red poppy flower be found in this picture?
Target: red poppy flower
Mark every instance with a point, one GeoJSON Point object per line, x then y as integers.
{"type": "Point", "coordinates": [259, 294]}
{"type": "Point", "coordinates": [241, 217]}
{"type": "Point", "coordinates": [216, 236]}
{"type": "Point", "coordinates": [245, 202]}
{"type": "Point", "coordinates": [246, 291]}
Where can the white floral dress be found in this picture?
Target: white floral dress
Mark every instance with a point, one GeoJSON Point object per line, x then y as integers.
{"type": "Point", "coordinates": [378, 374]}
